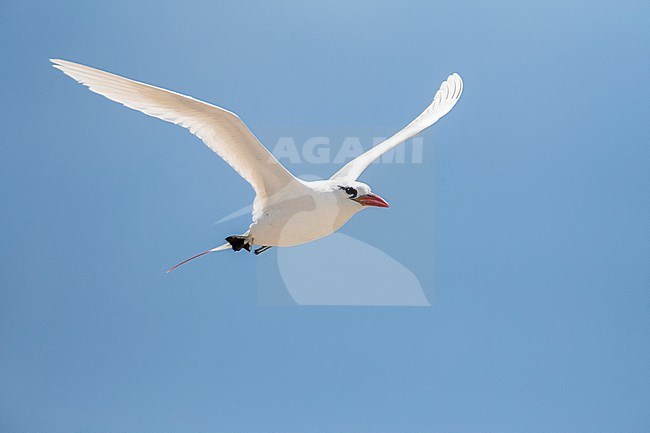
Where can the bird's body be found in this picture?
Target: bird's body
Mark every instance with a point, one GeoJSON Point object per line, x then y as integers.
{"type": "Point", "coordinates": [305, 214]}
{"type": "Point", "coordinates": [287, 211]}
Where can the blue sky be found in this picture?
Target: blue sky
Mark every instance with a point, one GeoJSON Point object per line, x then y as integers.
{"type": "Point", "coordinates": [530, 215]}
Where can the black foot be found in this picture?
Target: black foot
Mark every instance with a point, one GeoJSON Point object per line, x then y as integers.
{"type": "Point", "coordinates": [238, 242]}
{"type": "Point", "coordinates": [260, 250]}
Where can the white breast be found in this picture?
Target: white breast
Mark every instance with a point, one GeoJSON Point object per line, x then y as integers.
{"type": "Point", "coordinates": [302, 218]}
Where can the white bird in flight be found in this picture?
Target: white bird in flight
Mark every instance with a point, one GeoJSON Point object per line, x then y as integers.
{"type": "Point", "coordinates": [287, 211]}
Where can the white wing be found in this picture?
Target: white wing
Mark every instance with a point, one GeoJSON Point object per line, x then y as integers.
{"type": "Point", "coordinates": [221, 130]}
{"type": "Point", "coordinates": [443, 102]}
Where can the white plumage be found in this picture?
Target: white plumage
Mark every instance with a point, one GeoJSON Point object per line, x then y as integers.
{"type": "Point", "coordinates": [444, 100]}
{"type": "Point", "coordinates": [287, 211]}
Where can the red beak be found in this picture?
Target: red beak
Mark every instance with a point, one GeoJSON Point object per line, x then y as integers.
{"type": "Point", "coordinates": [371, 200]}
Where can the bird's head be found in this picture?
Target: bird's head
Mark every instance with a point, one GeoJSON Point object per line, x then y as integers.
{"type": "Point", "coordinates": [357, 194]}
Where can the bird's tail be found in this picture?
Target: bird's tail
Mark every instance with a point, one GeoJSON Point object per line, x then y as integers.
{"type": "Point", "coordinates": [219, 248]}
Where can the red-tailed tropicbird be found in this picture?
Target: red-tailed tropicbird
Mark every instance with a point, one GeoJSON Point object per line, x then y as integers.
{"type": "Point", "coordinates": [287, 211]}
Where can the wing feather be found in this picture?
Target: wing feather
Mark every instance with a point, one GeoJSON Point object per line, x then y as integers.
{"type": "Point", "coordinates": [221, 130]}
{"type": "Point", "coordinates": [444, 100]}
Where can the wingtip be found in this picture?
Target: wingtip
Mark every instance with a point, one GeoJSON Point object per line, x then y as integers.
{"type": "Point", "coordinates": [58, 64]}
{"type": "Point", "coordinates": [64, 64]}
{"type": "Point", "coordinates": [455, 75]}
{"type": "Point", "coordinates": [458, 84]}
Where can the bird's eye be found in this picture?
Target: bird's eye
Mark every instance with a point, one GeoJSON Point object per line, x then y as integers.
{"type": "Point", "coordinates": [350, 191]}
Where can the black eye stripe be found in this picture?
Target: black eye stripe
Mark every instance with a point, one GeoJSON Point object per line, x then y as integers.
{"type": "Point", "coordinates": [349, 190]}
